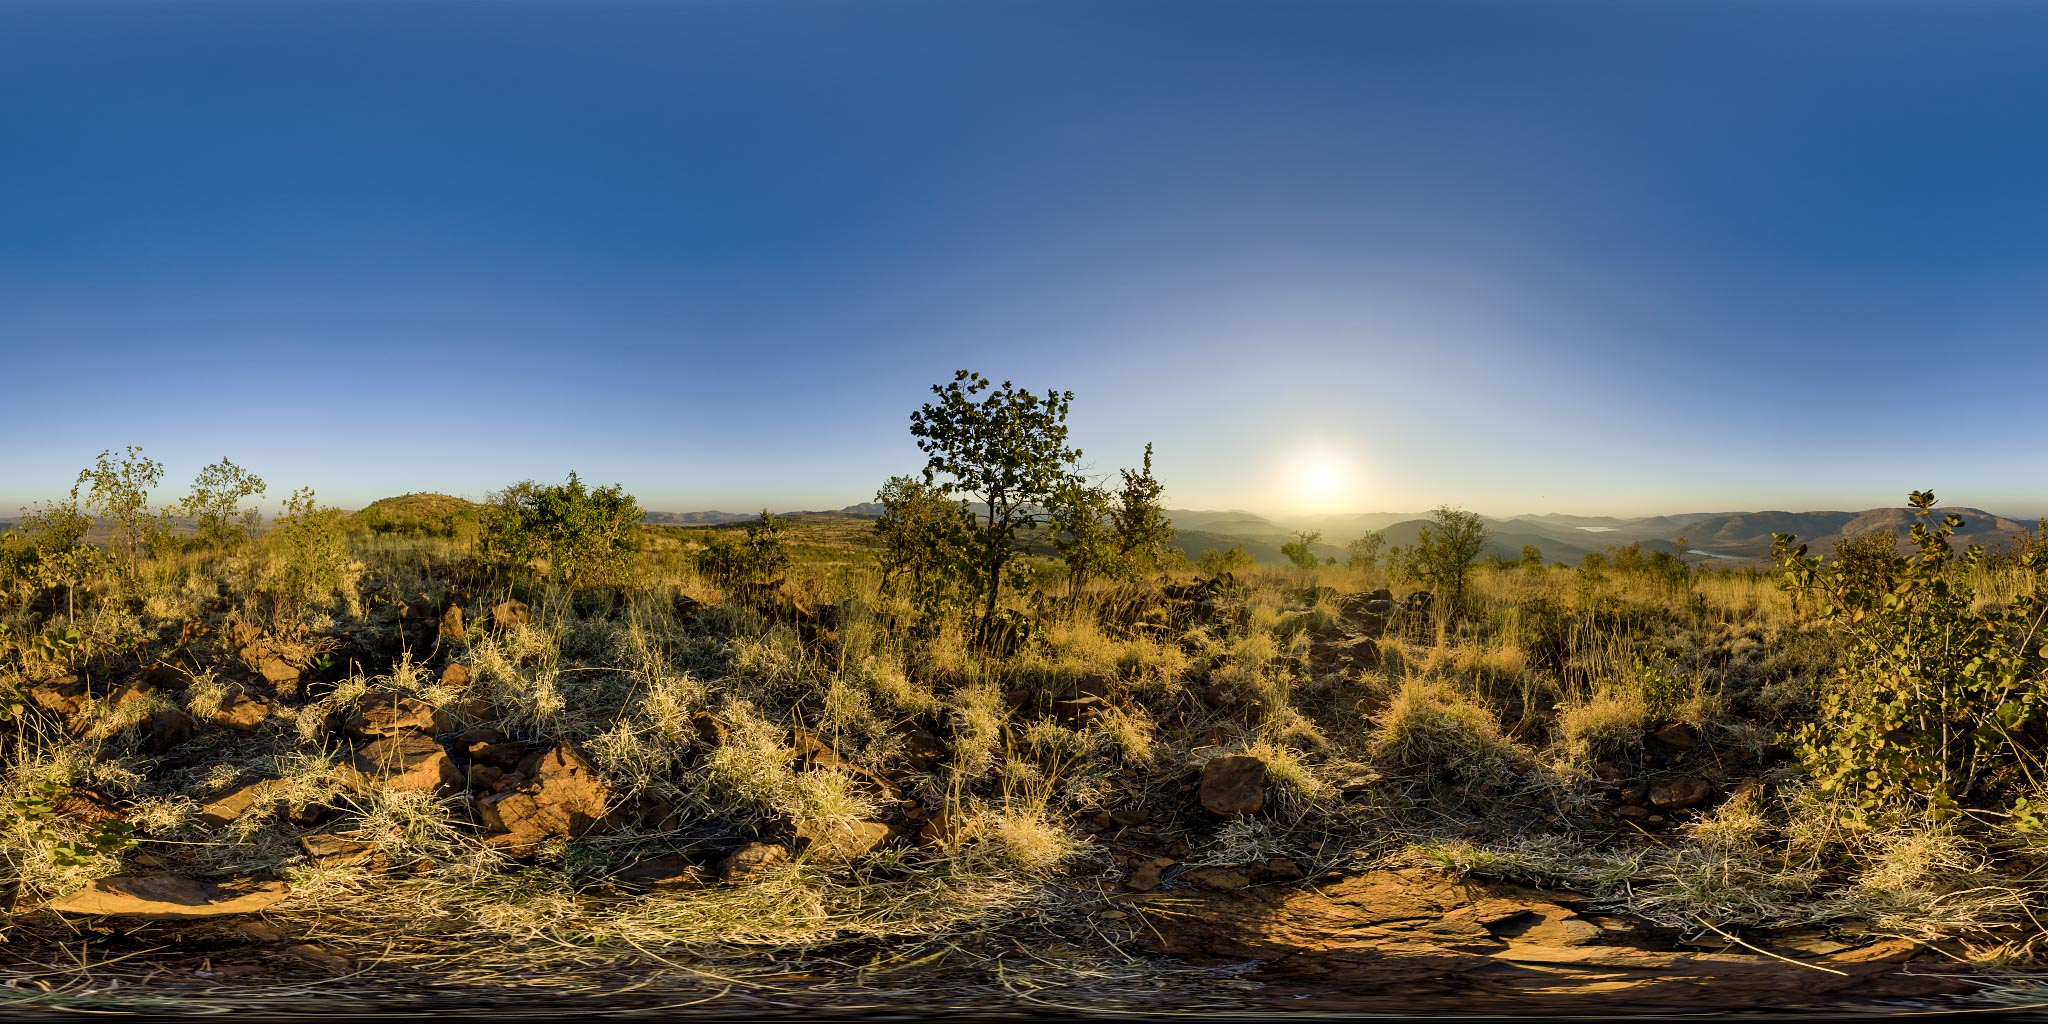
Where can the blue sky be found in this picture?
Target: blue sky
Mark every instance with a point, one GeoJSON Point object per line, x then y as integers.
{"type": "Point", "coordinates": [1621, 258]}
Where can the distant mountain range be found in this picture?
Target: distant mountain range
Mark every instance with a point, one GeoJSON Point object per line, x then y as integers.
{"type": "Point", "coordinates": [1706, 535]}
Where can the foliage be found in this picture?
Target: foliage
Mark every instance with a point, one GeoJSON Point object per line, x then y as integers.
{"type": "Point", "coordinates": [1142, 530]}
{"type": "Point", "coordinates": [1935, 700]}
{"type": "Point", "coordinates": [759, 556]}
{"type": "Point", "coordinates": [119, 492]}
{"type": "Point", "coordinates": [925, 539]}
{"type": "Point", "coordinates": [49, 549]}
{"type": "Point", "coordinates": [1082, 532]}
{"type": "Point", "coordinates": [1221, 560]}
{"type": "Point", "coordinates": [1301, 550]}
{"type": "Point", "coordinates": [564, 533]}
{"type": "Point", "coordinates": [1008, 451]}
{"type": "Point", "coordinates": [316, 554]}
{"type": "Point", "coordinates": [215, 503]}
{"type": "Point", "coordinates": [1532, 557]}
{"type": "Point", "coordinates": [1444, 551]}
{"type": "Point", "coordinates": [1364, 553]}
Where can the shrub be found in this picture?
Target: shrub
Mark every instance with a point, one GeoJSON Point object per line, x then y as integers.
{"type": "Point", "coordinates": [1430, 726]}
{"type": "Point", "coordinates": [924, 539]}
{"type": "Point", "coordinates": [564, 533]}
{"type": "Point", "coordinates": [1142, 531]}
{"type": "Point", "coordinates": [1444, 551]}
{"type": "Point", "coordinates": [759, 557]}
{"type": "Point", "coordinates": [1215, 561]}
{"type": "Point", "coordinates": [315, 552]}
{"type": "Point", "coordinates": [119, 492]}
{"type": "Point", "coordinates": [1935, 700]}
{"type": "Point", "coordinates": [1364, 553]}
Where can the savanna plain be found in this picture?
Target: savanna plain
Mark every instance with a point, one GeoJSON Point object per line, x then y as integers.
{"type": "Point", "coordinates": [1001, 741]}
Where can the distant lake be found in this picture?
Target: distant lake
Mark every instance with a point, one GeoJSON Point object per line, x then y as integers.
{"type": "Point", "coordinates": [1597, 529]}
{"type": "Point", "coordinates": [1711, 554]}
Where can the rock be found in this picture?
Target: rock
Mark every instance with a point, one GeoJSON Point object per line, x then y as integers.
{"type": "Point", "coordinates": [923, 750]}
{"type": "Point", "coordinates": [1384, 607]}
{"type": "Point", "coordinates": [328, 850]}
{"type": "Point", "coordinates": [408, 762]}
{"type": "Point", "coordinates": [321, 957]}
{"type": "Point", "coordinates": [61, 696]}
{"type": "Point", "coordinates": [451, 623]}
{"type": "Point", "coordinates": [842, 842]}
{"type": "Point", "coordinates": [509, 613]}
{"type": "Point", "coordinates": [1282, 869]}
{"type": "Point", "coordinates": [687, 608]}
{"type": "Point", "coordinates": [670, 871]}
{"type": "Point", "coordinates": [1676, 737]}
{"type": "Point", "coordinates": [1143, 878]}
{"type": "Point", "coordinates": [1636, 793]}
{"type": "Point", "coordinates": [131, 691]}
{"type": "Point", "coordinates": [560, 796]}
{"type": "Point", "coordinates": [243, 711]}
{"type": "Point", "coordinates": [506, 754]}
{"type": "Point", "coordinates": [1545, 926]}
{"type": "Point", "coordinates": [88, 807]}
{"type": "Point", "coordinates": [237, 802]}
{"type": "Point", "coordinates": [163, 897]}
{"type": "Point", "coordinates": [1690, 791]}
{"type": "Point", "coordinates": [1084, 697]}
{"type": "Point", "coordinates": [1233, 784]}
{"type": "Point", "coordinates": [710, 731]}
{"type": "Point", "coordinates": [750, 860]}
{"type": "Point", "coordinates": [1631, 812]}
{"type": "Point", "coordinates": [1129, 817]}
{"type": "Point", "coordinates": [386, 714]}
{"type": "Point", "coordinates": [276, 671]}
{"type": "Point", "coordinates": [455, 676]}
{"type": "Point", "coordinates": [1219, 879]}
{"type": "Point", "coordinates": [472, 738]}
{"type": "Point", "coordinates": [484, 778]}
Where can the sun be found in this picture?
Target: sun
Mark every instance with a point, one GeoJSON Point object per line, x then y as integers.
{"type": "Point", "coordinates": [1319, 481]}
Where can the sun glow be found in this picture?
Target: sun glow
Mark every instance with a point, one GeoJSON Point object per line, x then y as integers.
{"type": "Point", "coordinates": [1321, 482]}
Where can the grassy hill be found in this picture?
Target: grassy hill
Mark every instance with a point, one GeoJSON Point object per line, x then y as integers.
{"type": "Point", "coordinates": [418, 515]}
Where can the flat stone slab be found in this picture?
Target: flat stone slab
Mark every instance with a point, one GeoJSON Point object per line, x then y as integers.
{"type": "Point", "coordinates": [166, 897]}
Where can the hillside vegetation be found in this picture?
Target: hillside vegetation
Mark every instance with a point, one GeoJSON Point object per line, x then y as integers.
{"type": "Point", "coordinates": [537, 745]}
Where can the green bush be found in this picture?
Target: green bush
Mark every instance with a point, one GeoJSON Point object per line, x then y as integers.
{"type": "Point", "coordinates": [1936, 701]}
{"type": "Point", "coordinates": [759, 556]}
{"type": "Point", "coordinates": [563, 533]}
{"type": "Point", "coordinates": [317, 562]}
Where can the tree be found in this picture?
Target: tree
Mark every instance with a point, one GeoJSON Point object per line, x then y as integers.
{"type": "Point", "coordinates": [215, 503]}
{"type": "Point", "coordinates": [566, 532]}
{"type": "Point", "coordinates": [924, 541]}
{"type": "Point", "coordinates": [1142, 528]}
{"type": "Point", "coordinates": [1080, 516]}
{"type": "Point", "coordinates": [1007, 450]}
{"type": "Point", "coordinates": [1532, 557]}
{"type": "Point", "coordinates": [119, 492]}
{"type": "Point", "coordinates": [1364, 553]}
{"type": "Point", "coordinates": [1445, 549]}
{"type": "Point", "coordinates": [316, 554]}
{"type": "Point", "coordinates": [1301, 551]}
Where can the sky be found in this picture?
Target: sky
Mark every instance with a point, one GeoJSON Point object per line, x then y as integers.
{"type": "Point", "coordinates": [1601, 258]}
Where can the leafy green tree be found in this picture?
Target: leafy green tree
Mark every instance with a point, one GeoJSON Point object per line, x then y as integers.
{"type": "Point", "coordinates": [924, 538]}
{"type": "Point", "coordinates": [1937, 701]}
{"type": "Point", "coordinates": [1301, 552]}
{"type": "Point", "coordinates": [1364, 553]}
{"type": "Point", "coordinates": [1142, 530]}
{"type": "Point", "coordinates": [216, 499]}
{"type": "Point", "coordinates": [119, 492]}
{"type": "Point", "coordinates": [568, 533]}
{"type": "Point", "coordinates": [1532, 557]}
{"type": "Point", "coordinates": [758, 557]}
{"type": "Point", "coordinates": [1444, 551]}
{"type": "Point", "coordinates": [1007, 450]}
{"type": "Point", "coordinates": [1080, 522]}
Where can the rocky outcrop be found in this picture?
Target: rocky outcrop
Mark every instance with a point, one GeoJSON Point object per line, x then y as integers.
{"type": "Point", "coordinates": [553, 793]}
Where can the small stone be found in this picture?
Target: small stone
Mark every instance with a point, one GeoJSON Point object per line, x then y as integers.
{"type": "Point", "coordinates": [506, 614]}
{"type": "Point", "coordinates": [167, 730]}
{"type": "Point", "coordinates": [1282, 869]}
{"type": "Point", "coordinates": [1144, 878]}
{"type": "Point", "coordinates": [451, 623]}
{"type": "Point", "coordinates": [750, 860]}
{"type": "Point", "coordinates": [1636, 794]}
{"type": "Point", "coordinates": [1218, 878]}
{"type": "Point", "coordinates": [1233, 784]}
{"type": "Point", "coordinates": [327, 850]}
{"type": "Point", "coordinates": [237, 802]}
{"type": "Point", "coordinates": [455, 676]}
{"type": "Point", "coordinates": [1130, 817]}
{"type": "Point", "coordinates": [387, 714]}
{"type": "Point", "coordinates": [243, 711]}
{"type": "Point", "coordinates": [1631, 812]}
{"type": "Point", "coordinates": [1677, 737]}
{"type": "Point", "coordinates": [1689, 791]}
{"type": "Point", "coordinates": [321, 957]}
{"type": "Point", "coordinates": [408, 762]}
